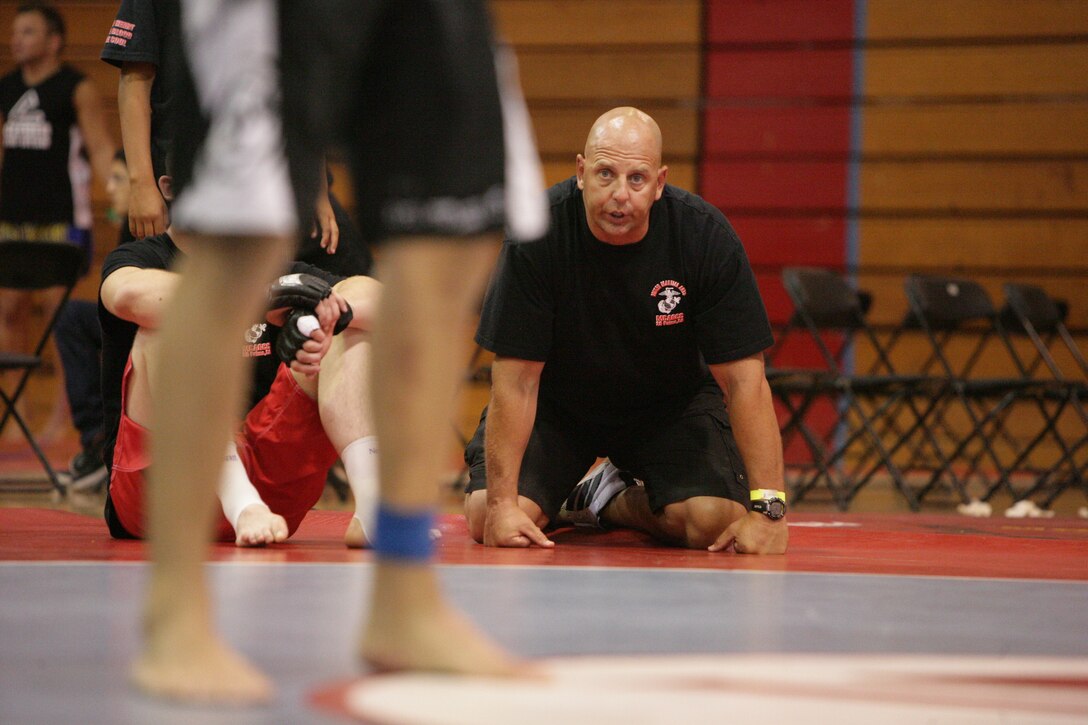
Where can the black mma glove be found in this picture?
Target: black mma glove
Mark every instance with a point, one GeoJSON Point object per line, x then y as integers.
{"type": "Point", "coordinates": [304, 291]}
{"type": "Point", "coordinates": [297, 290]}
{"type": "Point", "coordinates": [291, 338]}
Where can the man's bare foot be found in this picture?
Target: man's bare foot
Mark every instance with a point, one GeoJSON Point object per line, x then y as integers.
{"type": "Point", "coordinates": [208, 672]}
{"type": "Point", "coordinates": [355, 537]}
{"type": "Point", "coordinates": [412, 628]}
{"type": "Point", "coordinates": [184, 660]}
{"type": "Point", "coordinates": [258, 526]}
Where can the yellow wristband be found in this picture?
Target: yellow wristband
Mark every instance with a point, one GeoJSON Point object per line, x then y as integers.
{"type": "Point", "coordinates": [760, 494]}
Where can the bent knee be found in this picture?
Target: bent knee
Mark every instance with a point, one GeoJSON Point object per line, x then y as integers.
{"type": "Point", "coordinates": [476, 514]}
{"type": "Point", "coordinates": [698, 521]}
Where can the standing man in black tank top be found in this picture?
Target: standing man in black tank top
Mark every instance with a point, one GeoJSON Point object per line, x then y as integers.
{"type": "Point", "coordinates": [54, 133]}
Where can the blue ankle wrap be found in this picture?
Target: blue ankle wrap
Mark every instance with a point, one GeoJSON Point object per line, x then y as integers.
{"type": "Point", "coordinates": [404, 535]}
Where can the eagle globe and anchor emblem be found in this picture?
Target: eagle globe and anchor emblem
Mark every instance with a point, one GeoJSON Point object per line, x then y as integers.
{"type": "Point", "coordinates": [669, 294]}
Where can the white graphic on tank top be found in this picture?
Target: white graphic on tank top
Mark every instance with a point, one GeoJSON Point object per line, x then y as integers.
{"type": "Point", "coordinates": [26, 126]}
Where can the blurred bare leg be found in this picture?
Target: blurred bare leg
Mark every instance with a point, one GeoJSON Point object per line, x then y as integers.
{"type": "Point", "coordinates": [431, 288]}
{"type": "Point", "coordinates": [198, 389]}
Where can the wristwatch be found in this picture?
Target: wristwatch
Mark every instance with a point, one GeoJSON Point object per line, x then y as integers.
{"type": "Point", "coordinates": [769, 502]}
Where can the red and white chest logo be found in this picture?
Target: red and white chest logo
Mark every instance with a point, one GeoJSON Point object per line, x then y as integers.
{"type": "Point", "coordinates": [669, 294]}
{"type": "Point", "coordinates": [254, 347]}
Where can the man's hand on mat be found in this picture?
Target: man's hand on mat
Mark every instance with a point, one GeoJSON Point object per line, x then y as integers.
{"type": "Point", "coordinates": [507, 525]}
{"type": "Point", "coordinates": [754, 533]}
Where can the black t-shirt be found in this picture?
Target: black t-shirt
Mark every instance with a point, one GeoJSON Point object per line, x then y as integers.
{"type": "Point", "coordinates": [145, 31]}
{"type": "Point", "coordinates": [41, 167]}
{"type": "Point", "coordinates": [626, 331]}
{"type": "Point", "coordinates": [159, 252]}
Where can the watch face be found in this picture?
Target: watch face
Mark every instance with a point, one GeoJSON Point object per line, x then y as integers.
{"type": "Point", "coordinates": [772, 508]}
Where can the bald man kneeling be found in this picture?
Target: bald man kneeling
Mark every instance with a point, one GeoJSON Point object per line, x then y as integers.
{"type": "Point", "coordinates": [633, 332]}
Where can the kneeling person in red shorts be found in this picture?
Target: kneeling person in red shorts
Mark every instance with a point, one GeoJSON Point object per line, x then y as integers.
{"type": "Point", "coordinates": [302, 416]}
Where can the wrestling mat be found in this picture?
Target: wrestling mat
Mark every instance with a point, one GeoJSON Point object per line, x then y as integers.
{"type": "Point", "coordinates": [868, 618]}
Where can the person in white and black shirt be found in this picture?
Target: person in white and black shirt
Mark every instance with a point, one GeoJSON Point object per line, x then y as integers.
{"type": "Point", "coordinates": [426, 111]}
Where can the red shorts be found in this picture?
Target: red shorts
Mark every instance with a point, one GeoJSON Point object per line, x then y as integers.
{"type": "Point", "coordinates": [282, 445]}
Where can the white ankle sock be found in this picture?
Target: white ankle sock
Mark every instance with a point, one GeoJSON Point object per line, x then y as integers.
{"type": "Point", "coordinates": [360, 459]}
{"type": "Point", "coordinates": [236, 492]}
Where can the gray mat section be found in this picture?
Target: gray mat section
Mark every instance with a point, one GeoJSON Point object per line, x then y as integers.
{"type": "Point", "coordinates": [68, 631]}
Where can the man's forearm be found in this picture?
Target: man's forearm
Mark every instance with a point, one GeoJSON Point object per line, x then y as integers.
{"type": "Point", "coordinates": [510, 417]}
{"type": "Point", "coordinates": [755, 427]}
{"type": "Point", "coordinates": [751, 413]}
{"type": "Point", "coordinates": [508, 428]}
{"type": "Point", "coordinates": [139, 295]}
{"type": "Point", "coordinates": [92, 124]}
{"type": "Point", "coordinates": [134, 105]}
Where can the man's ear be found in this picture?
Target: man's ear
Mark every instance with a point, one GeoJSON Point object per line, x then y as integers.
{"type": "Point", "coordinates": [661, 174]}
{"type": "Point", "coordinates": [166, 187]}
{"type": "Point", "coordinates": [580, 170]}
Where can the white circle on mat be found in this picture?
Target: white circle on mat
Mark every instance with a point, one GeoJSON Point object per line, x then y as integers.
{"type": "Point", "coordinates": [740, 688]}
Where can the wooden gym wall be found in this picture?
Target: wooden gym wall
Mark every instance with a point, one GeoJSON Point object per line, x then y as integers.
{"type": "Point", "coordinates": [949, 133]}
{"type": "Point", "coordinates": [886, 135]}
{"type": "Point", "coordinates": [579, 58]}
{"type": "Point", "coordinates": [974, 143]}
{"type": "Point", "coordinates": [892, 137]}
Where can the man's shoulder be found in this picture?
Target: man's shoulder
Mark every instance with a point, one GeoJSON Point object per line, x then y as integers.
{"type": "Point", "coordinates": [690, 203]}
{"type": "Point", "coordinates": [11, 79]}
{"type": "Point", "coordinates": [148, 253]}
{"type": "Point", "coordinates": [133, 37]}
{"type": "Point", "coordinates": [70, 75]}
{"type": "Point", "coordinates": [567, 210]}
{"type": "Point", "coordinates": [695, 210]}
{"type": "Point", "coordinates": [563, 193]}
{"type": "Point", "coordinates": [560, 198]}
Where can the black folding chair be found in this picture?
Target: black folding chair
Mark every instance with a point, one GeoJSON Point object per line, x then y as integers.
{"type": "Point", "coordinates": [34, 266]}
{"type": "Point", "coordinates": [867, 432]}
{"type": "Point", "coordinates": [1030, 312]}
{"type": "Point", "coordinates": [954, 310]}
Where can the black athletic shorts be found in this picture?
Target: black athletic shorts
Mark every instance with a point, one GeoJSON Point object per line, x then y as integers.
{"type": "Point", "coordinates": [693, 455]}
{"type": "Point", "coordinates": [407, 91]}
{"type": "Point", "coordinates": [230, 174]}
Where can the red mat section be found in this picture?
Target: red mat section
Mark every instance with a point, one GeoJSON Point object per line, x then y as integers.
{"type": "Point", "coordinates": [933, 545]}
